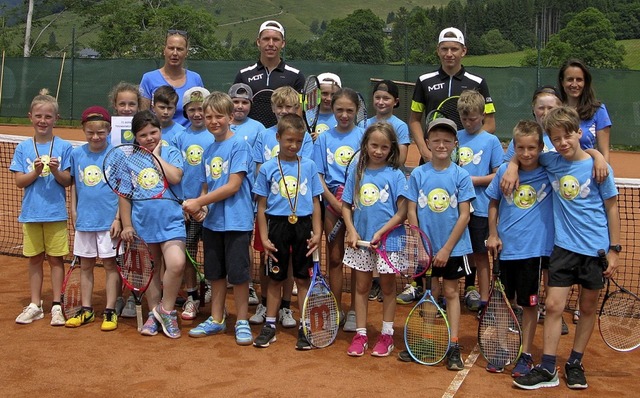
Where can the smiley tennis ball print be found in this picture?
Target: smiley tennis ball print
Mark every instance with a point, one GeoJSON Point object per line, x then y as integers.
{"type": "Point", "coordinates": [148, 178]}
{"type": "Point", "coordinates": [369, 194]}
{"type": "Point", "coordinates": [343, 155]}
{"type": "Point", "coordinates": [524, 197]}
{"type": "Point", "coordinates": [569, 187]}
{"type": "Point", "coordinates": [288, 187]}
{"type": "Point", "coordinates": [438, 200]}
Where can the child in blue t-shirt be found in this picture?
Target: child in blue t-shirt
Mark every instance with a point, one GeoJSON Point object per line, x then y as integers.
{"type": "Point", "coordinates": [242, 97]}
{"type": "Point", "coordinates": [125, 99]}
{"type": "Point", "coordinates": [163, 105]}
{"type": "Point", "coordinates": [329, 84]}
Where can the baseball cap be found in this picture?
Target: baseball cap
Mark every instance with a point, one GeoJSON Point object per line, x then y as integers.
{"type": "Point", "coordinates": [330, 78]}
{"type": "Point", "coordinates": [194, 94]}
{"type": "Point", "coordinates": [95, 113]}
{"type": "Point", "coordinates": [271, 25]}
{"type": "Point", "coordinates": [388, 86]}
{"type": "Point", "coordinates": [241, 90]}
{"type": "Point", "coordinates": [454, 34]}
{"type": "Point", "coordinates": [444, 123]}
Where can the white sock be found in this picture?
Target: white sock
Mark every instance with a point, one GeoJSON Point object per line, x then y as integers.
{"type": "Point", "coordinates": [387, 328]}
{"type": "Point", "coordinates": [361, 331]}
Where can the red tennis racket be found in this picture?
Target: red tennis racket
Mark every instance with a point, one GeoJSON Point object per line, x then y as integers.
{"type": "Point", "coordinates": [71, 293]}
{"type": "Point", "coordinates": [136, 269]}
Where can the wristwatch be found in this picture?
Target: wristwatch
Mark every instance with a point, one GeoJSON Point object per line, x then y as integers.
{"type": "Point", "coordinates": [616, 248]}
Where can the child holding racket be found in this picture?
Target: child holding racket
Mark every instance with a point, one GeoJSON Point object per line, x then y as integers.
{"type": "Point", "coordinates": [160, 223]}
{"type": "Point", "coordinates": [94, 212]}
{"type": "Point", "coordinates": [332, 153]}
{"type": "Point", "coordinates": [41, 167]}
{"type": "Point", "coordinates": [439, 199]}
{"type": "Point", "coordinates": [125, 98]}
{"type": "Point", "coordinates": [242, 124]}
{"type": "Point", "coordinates": [225, 178]}
{"type": "Point", "coordinates": [376, 189]}
{"type": "Point", "coordinates": [287, 189]}
{"type": "Point", "coordinates": [329, 84]}
{"type": "Point", "coordinates": [165, 100]}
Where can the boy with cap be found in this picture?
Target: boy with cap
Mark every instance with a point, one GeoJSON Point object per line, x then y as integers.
{"type": "Point", "coordinates": [329, 84]}
{"type": "Point", "coordinates": [94, 213]}
{"type": "Point", "coordinates": [241, 95]}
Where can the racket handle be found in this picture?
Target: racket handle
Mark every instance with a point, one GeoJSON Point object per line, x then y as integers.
{"type": "Point", "coordinates": [363, 244]}
{"type": "Point", "coordinates": [604, 263]}
{"type": "Point", "coordinates": [139, 317]}
{"type": "Point", "coordinates": [335, 230]}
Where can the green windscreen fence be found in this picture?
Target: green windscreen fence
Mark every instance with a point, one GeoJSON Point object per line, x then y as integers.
{"type": "Point", "coordinates": [87, 82]}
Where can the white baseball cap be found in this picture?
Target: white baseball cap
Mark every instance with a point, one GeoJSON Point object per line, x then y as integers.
{"type": "Point", "coordinates": [271, 25]}
{"type": "Point", "coordinates": [454, 34]}
{"type": "Point", "coordinates": [329, 78]}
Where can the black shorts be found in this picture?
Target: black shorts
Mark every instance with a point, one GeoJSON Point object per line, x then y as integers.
{"type": "Point", "coordinates": [479, 232]}
{"type": "Point", "coordinates": [545, 263]}
{"type": "Point", "coordinates": [291, 242]}
{"type": "Point", "coordinates": [521, 280]}
{"type": "Point", "coordinates": [567, 268]}
{"type": "Point", "coordinates": [226, 255]}
{"type": "Point", "coordinates": [456, 268]}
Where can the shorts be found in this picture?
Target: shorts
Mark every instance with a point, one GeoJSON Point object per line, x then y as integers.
{"type": "Point", "coordinates": [366, 260]}
{"type": "Point", "coordinates": [257, 240]}
{"type": "Point", "coordinates": [479, 232]}
{"type": "Point", "coordinates": [521, 280]}
{"type": "Point", "coordinates": [456, 268]}
{"type": "Point", "coordinates": [94, 244]}
{"type": "Point", "coordinates": [51, 238]}
{"type": "Point", "coordinates": [194, 235]}
{"type": "Point", "coordinates": [567, 268]}
{"type": "Point", "coordinates": [291, 242]}
{"type": "Point", "coordinates": [226, 255]}
{"type": "Point", "coordinates": [545, 263]}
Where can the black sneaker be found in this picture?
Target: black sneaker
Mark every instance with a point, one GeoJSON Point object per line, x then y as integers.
{"type": "Point", "coordinates": [574, 373]}
{"type": "Point", "coordinates": [375, 290]}
{"type": "Point", "coordinates": [303, 343]}
{"type": "Point", "coordinates": [267, 336]}
{"type": "Point", "coordinates": [404, 356]}
{"type": "Point", "coordinates": [539, 377]}
{"type": "Point", "coordinates": [454, 361]}
{"type": "Point", "coordinates": [565, 328]}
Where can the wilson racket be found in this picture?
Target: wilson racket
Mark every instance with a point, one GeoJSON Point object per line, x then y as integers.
{"type": "Point", "coordinates": [619, 318]}
{"type": "Point", "coordinates": [261, 108]}
{"type": "Point", "coordinates": [202, 283]}
{"type": "Point", "coordinates": [406, 250]}
{"type": "Point", "coordinates": [320, 309]}
{"type": "Point", "coordinates": [336, 228]}
{"type": "Point", "coordinates": [361, 116]}
{"type": "Point", "coordinates": [136, 270]}
{"type": "Point", "coordinates": [499, 334]}
{"type": "Point", "coordinates": [71, 299]}
{"type": "Point", "coordinates": [426, 331]}
{"type": "Point", "coordinates": [135, 173]}
{"type": "Point", "coordinates": [311, 97]}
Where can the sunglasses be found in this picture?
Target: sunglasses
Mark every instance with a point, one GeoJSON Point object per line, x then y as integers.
{"type": "Point", "coordinates": [182, 33]}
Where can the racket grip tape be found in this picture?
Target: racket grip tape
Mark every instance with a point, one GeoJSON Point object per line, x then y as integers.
{"type": "Point", "coordinates": [602, 256]}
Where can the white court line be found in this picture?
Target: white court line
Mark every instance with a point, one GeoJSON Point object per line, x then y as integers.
{"type": "Point", "coordinates": [459, 379]}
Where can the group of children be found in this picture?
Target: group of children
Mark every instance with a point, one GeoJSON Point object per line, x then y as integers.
{"type": "Point", "coordinates": [231, 170]}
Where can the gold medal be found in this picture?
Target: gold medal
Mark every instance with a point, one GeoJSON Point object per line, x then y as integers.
{"type": "Point", "coordinates": [293, 219]}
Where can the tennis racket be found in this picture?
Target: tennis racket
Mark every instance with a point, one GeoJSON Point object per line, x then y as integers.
{"type": "Point", "coordinates": [320, 309]}
{"type": "Point", "coordinates": [406, 250]}
{"type": "Point", "coordinates": [261, 108]}
{"type": "Point", "coordinates": [71, 299]}
{"type": "Point", "coordinates": [619, 318]}
{"type": "Point", "coordinates": [499, 334]}
{"type": "Point", "coordinates": [426, 331]}
{"type": "Point", "coordinates": [311, 97]}
{"type": "Point", "coordinates": [202, 283]}
{"type": "Point", "coordinates": [361, 116]}
{"type": "Point", "coordinates": [135, 173]}
{"type": "Point", "coordinates": [336, 228]}
{"type": "Point", "coordinates": [136, 270]}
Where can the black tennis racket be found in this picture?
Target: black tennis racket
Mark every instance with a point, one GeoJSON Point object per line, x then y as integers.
{"type": "Point", "coordinates": [136, 270]}
{"type": "Point", "coordinates": [619, 318]}
{"type": "Point", "coordinates": [202, 283]}
{"type": "Point", "coordinates": [261, 108]}
{"type": "Point", "coordinates": [311, 97]}
{"type": "Point", "coordinates": [320, 309]}
{"type": "Point", "coordinates": [361, 116]}
{"type": "Point", "coordinates": [71, 299]}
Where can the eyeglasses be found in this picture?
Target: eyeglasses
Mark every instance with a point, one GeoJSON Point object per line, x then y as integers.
{"type": "Point", "coordinates": [182, 33]}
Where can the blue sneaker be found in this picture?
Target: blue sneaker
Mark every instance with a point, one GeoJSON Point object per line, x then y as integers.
{"type": "Point", "coordinates": [169, 322]}
{"type": "Point", "coordinates": [523, 366]}
{"type": "Point", "coordinates": [243, 333]}
{"type": "Point", "coordinates": [150, 327]}
{"type": "Point", "coordinates": [208, 328]}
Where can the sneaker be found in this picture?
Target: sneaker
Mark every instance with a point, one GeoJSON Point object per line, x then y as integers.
{"type": "Point", "coordinates": [207, 294]}
{"type": "Point", "coordinates": [375, 290]}
{"type": "Point", "coordinates": [565, 328]}
{"type": "Point", "coordinates": [384, 346]}
{"type": "Point", "coordinates": [480, 311]}
{"type": "Point", "coordinates": [57, 316]}
{"type": "Point", "coordinates": [82, 317]}
{"type": "Point", "coordinates": [358, 345]}
{"type": "Point", "coordinates": [404, 356]}
{"type": "Point", "coordinates": [208, 328]}
{"type": "Point", "coordinates": [523, 366]}
{"type": "Point", "coordinates": [110, 322]}
{"type": "Point", "coordinates": [30, 313]}
{"type": "Point", "coordinates": [294, 290]}
{"type": "Point", "coordinates": [267, 336]}
{"type": "Point", "coordinates": [243, 333]}
{"type": "Point", "coordinates": [576, 317]}
{"type": "Point", "coordinates": [150, 327]}
{"type": "Point", "coordinates": [350, 322]}
{"type": "Point", "coordinates": [472, 299]}
{"type": "Point", "coordinates": [454, 361]}
{"type": "Point", "coordinates": [574, 373]}
{"type": "Point", "coordinates": [380, 297]}
{"type": "Point", "coordinates": [119, 305]}
{"type": "Point", "coordinates": [129, 310]}
{"type": "Point", "coordinates": [410, 294]}
{"type": "Point", "coordinates": [260, 316]}
{"type": "Point", "coordinates": [491, 368]}
{"type": "Point", "coordinates": [302, 344]}
{"type": "Point", "coordinates": [190, 309]}
{"type": "Point", "coordinates": [542, 312]}
{"type": "Point", "coordinates": [342, 319]}
{"type": "Point", "coordinates": [285, 317]}
{"type": "Point", "coordinates": [169, 322]}
{"type": "Point", "coordinates": [253, 296]}
{"type": "Point", "coordinates": [538, 377]}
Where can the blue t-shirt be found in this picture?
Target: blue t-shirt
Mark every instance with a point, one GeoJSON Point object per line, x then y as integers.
{"type": "Point", "coordinates": [170, 133]}
{"type": "Point", "coordinates": [44, 200]}
{"type": "Point", "coordinates": [222, 159]}
{"type": "Point", "coordinates": [480, 154]}
{"type": "Point", "coordinates": [525, 223]}
{"type": "Point", "coordinates": [154, 79]}
{"type": "Point", "coordinates": [266, 146]}
{"type": "Point", "coordinates": [547, 147]}
{"type": "Point", "coordinates": [249, 129]}
{"type": "Point", "coordinates": [581, 223]}
{"type": "Point", "coordinates": [281, 192]}
{"type": "Point", "coordinates": [332, 152]}
{"type": "Point", "coordinates": [325, 122]}
{"type": "Point", "coordinates": [400, 127]}
{"type": "Point", "coordinates": [599, 121]}
{"type": "Point", "coordinates": [377, 200]}
{"type": "Point", "coordinates": [96, 204]}
{"type": "Point", "coordinates": [437, 194]}
{"type": "Point", "coordinates": [192, 146]}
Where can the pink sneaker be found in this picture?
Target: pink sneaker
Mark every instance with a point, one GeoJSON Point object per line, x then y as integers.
{"type": "Point", "coordinates": [358, 345]}
{"type": "Point", "coordinates": [384, 346]}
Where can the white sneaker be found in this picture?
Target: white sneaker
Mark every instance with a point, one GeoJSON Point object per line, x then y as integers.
{"type": "Point", "coordinates": [119, 305]}
{"type": "Point", "coordinates": [30, 313]}
{"type": "Point", "coordinates": [253, 296]}
{"type": "Point", "coordinates": [190, 309]}
{"type": "Point", "coordinates": [57, 316]}
{"type": "Point", "coordinates": [350, 323]}
{"type": "Point", "coordinates": [285, 316]}
{"type": "Point", "coordinates": [207, 294]}
{"type": "Point", "coordinates": [129, 310]}
{"type": "Point", "coordinates": [260, 316]}
{"type": "Point", "coordinates": [294, 291]}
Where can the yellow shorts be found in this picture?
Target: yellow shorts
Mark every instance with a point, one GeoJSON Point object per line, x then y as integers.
{"type": "Point", "coordinates": [49, 237]}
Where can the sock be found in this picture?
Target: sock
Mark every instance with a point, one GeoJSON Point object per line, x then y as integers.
{"type": "Point", "coordinates": [575, 356]}
{"type": "Point", "coordinates": [90, 309]}
{"type": "Point", "coordinates": [454, 341]}
{"type": "Point", "coordinates": [109, 310]}
{"type": "Point", "coordinates": [361, 331]}
{"type": "Point", "coordinates": [549, 363]}
{"type": "Point", "coordinates": [55, 303]}
{"type": "Point", "coordinates": [470, 280]}
{"type": "Point", "coordinates": [387, 328]}
{"type": "Point", "coordinates": [263, 300]}
{"type": "Point", "coordinates": [193, 293]}
{"type": "Point", "coordinates": [271, 321]}
{"type": "Point", "coordinates": [483, 304]}
{"type": "Point", "coordinates": [285, 304]}
{"type": "Point", "coordinates": [161, 307]}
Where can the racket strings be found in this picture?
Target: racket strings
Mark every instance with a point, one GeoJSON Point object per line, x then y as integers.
{"type": "Point", "coordinates": [321, 316]}
{"type": "Point", "coordinates": [137, 268]}
{"type": "Point", "coordinates": [427, 333]}
{"type": "Point", "coordinates": [408, 253]}
{"type": "Point", "coordinates": [72, 298]}
{"type": "Point", "coordinates": [134, 173]}
{"type": "Point", "coordinates": [620, 321]}
{"type": "Point", "coordinates": [449, 109]}
{"type": "Point", "coordinates": [499, 332]}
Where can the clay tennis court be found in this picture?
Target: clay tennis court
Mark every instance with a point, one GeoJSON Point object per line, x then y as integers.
{"type": "Point", "coordinates": [40, 360]}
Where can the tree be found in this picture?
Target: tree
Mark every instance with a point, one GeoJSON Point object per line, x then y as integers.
{"type": "Point", "coordinates": [494, 43]}
{"type": "Point", "coordinates": [416, 30]}
{"type": "Point", "coordinates": [315, 27]}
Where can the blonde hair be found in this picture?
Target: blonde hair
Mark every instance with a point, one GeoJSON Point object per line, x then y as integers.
{"type": "Point", "coordinates": [219, 102]}
{"type": "Point", "coordinates": [285, 96]}
{"type": "Point", "coordinates": [527, 128]}
{"type": "Point", "coordinates": [564, 117]}
{"type": "Point", "coordinates": [43, 98]}
{"type": "Point", "coordinates": [291, 122]}
{"type": "Point", "coordinates": [470, 101]}
{"type": "Point", "coordinates": [121, 88]}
